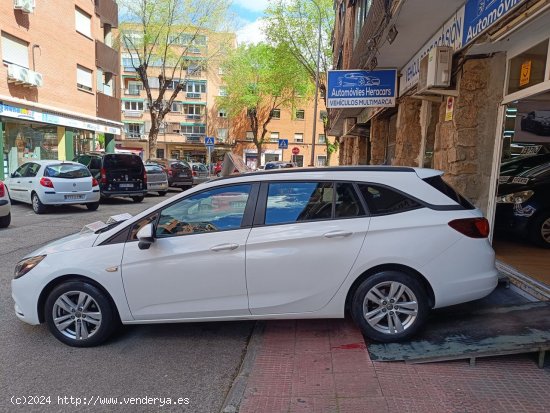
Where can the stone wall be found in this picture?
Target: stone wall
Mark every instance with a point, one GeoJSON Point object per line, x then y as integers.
{"type": "Point", "coordinates": [464, 146]}
{"type": "Point", "coordinates": [408, 140]}
{"type": "Point", "coordinates": [379, 131]}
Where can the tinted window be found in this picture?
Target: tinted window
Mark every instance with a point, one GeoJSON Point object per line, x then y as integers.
{"type": "Point", "coordinates": [347, 203]}
{"type": "Point", "coordinates": [95, 163]}
{"type": "Point", "coordinates": [381, 200]}
{"type": "Point", "coordinates": [153, 169]}
{"type": "Point", "coordinates": [84, 159]}
{"type": "Point", "coordinates": [438, 183]}
{"type": "Point", "coordinates": [122, 162]}
{"type": "Point", "coordinates": [68, 171]}
{"type": "Point", "coordinates": [290, 202]}
{"type": "Point", "coordinates": [215, 210]}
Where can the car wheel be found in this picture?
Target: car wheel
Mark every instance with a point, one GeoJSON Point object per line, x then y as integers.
{"type": "Point", "coordinates": [37, 205]}
{"type": "Point", "coordinates": [390, 306]}
{"type": "Point", "coordinates": [162, 193]}
{"type": "Point", "coordinates": [92, 206]}
{"type": "Point", "coordinates": [79, 314]}
{"type": "Point", "coordinates": [5, 220]}
{"type": "Point", "coordinates": [138, 198]}
{"type": "Point", "coordinates": [540, 230]}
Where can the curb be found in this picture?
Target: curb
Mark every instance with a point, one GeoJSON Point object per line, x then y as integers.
{"type": "Point", "coordinates": [235, 394]}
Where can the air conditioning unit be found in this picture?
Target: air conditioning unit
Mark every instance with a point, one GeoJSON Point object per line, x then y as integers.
{"type": "Point", "coordinates": [18, 75]}
{"type": "Point", "coordinates": [435, 68]}
{"type": "Point", "coordinates": [35, 79]}
{"type": "Point", "coordinates": [26, 6]}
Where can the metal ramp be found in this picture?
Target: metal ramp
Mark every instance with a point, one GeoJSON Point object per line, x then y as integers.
{"type": "Point", "coordinates": [486, 332]}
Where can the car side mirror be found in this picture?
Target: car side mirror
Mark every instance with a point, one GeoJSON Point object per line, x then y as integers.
{"type": "Point", "coordinates": [146, 237]}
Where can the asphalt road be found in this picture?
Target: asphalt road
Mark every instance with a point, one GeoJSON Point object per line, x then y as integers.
{"type": "Point", "coordinates": [195, 361]}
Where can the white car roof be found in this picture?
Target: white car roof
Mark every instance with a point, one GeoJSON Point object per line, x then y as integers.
{"type": "Point", "coordinates": [51, 162]}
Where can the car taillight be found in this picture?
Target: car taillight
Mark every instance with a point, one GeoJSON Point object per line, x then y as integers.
{"type": "Point", "coordinates": [2, 189]}
{"type": "Point", "coordinates": [103, 176]}
{"type": "Point", "coordinates": [170, 172]}
{"type": "Point", "coordinates": [94, 182]}
{"type": "Point", "coordinates": [46, 182]}
{"type": "Point", "coordinates": [144, 176]}
{"type": "Point", "coordinates": [194, 173]}
{"type": "Point", "coordinates": [471, 227]}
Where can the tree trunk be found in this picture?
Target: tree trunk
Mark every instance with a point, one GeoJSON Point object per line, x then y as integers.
{"type": "Point", "coordinates": [259, 151]}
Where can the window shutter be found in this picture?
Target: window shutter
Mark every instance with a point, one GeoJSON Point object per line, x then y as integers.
{"type": "Point", "coordinates": [15, 51]}
{"type": "Point", "coordinates": [84, 77]}
{"type": "Point", "coordinates": [83, 22]}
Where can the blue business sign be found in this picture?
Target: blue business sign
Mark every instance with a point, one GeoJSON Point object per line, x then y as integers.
{"type": "Point", "coordinates": [283, 143]}
{"type": "Point", "coordinates": [209, 141]}
{"type": "Point", "coordinates": [479, 15]}
{"type": "Point", "coordinates": [361, 88]}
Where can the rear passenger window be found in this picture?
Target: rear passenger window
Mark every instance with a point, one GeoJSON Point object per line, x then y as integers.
{"type": "Point", "coordinates": [291, 202]}
{"type": "Point", "coordinates": [347, 203]}
{"type": "Point", "coordinates": [382, 201]}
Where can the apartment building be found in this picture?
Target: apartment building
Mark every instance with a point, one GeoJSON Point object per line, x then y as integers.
{"type": "Point", "coordinates": [296, 126]}
{"type": "Point", "coordinates": [58, 79]}
{"type": "Point", "coordinates": [194, 114]}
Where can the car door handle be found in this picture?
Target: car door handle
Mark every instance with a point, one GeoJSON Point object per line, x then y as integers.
{"type": "Point", "coordinates": [337, 234]}
{"type": "Point", "coordinates": [30, 182]}
{"type": "Point", "coordinates": [224, 247]}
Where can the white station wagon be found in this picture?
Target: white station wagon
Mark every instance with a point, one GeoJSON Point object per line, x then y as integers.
{"type": "Point", "coordinates": [386, 244]}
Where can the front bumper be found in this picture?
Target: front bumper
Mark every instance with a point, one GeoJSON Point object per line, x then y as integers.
{"type": "Point", "coordinates": [26, 302]}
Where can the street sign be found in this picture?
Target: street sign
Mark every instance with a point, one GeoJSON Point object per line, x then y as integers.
{"type": "Point", "coordinates": [209, 141]}
{"type": "Point", "coordinates": [361, 88]}
{"type": "Point", "coordinates": [283, 143]}
{"type": "Point", "coordinates": [295, 150]}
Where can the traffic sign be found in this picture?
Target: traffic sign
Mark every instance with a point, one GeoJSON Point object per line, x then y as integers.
{"type": "Point", "coordinates": [283, 143]}
{"type": "Point", "coordinates": [209, 141]}
{"type": "Point", "coordinates": [295, 150]}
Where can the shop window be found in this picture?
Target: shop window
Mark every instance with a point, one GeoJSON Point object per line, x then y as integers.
{"type": "Point", "coordinates": [528, 68]}
{"type": "Point", "coordinates": [15, 51]}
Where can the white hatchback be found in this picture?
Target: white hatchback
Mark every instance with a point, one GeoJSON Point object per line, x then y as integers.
{"type": "Point", "coordinates": [385, 244]}
{"type": "Point", "coordinates": [5, 210]}
{"type": "Point", "coordinates": [50, 182]}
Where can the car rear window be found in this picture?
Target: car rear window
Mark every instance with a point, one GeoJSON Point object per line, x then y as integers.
{"type": "Point", "coordinates": [153, 169]}
{"type": "Point", "coordinates": [438, 183]}
{"type": "Point", "coordinates": [68, 171]}
{"type": "Point", "coordinates": [384, 201]}
{"type": "Point", "coordinates": [122, 162]}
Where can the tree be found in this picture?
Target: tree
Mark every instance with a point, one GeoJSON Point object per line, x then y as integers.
{"type": "Point", "coordinates": [161, 38]}
{"type": "Point", "coordinates": [294, 25]}
{"type": "Point", "coordinates": [259, 79]}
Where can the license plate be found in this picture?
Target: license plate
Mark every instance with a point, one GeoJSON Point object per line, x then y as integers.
{"type": "Point", "coordinates": [520, 180]}
{"type": "Point", "coordinates": [74, 196]}
{"type": "Point", "coordinates": [126, 185]}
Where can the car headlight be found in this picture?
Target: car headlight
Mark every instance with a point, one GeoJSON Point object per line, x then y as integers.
{"type": "Point", "coordinates": [26, 265]}
{"type": "Point", "coordinates": [515, 198]}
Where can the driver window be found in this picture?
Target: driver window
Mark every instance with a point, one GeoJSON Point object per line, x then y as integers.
{"type": "Point", "coordinates": [32, 170]}
{"type": "Point", "coordinates": [19, 172]}
{"type": "Point", "coordinates": [219, 209]}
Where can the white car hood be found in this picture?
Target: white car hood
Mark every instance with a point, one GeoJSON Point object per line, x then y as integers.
{"type": "Point", "coordinates": [71, 242]}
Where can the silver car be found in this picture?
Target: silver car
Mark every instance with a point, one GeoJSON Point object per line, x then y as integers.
{"type": "Point", "coordinates": [157, 180]}
{"type": "Point", "coordinates": [200, 172]}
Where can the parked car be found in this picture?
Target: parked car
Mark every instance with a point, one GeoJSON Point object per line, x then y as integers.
{"type": "Point", "coordinates": [50, 182]}
{"type": "Point", "coordinates": [119, 174]}
{"type": "Point", "coordinates": [386, 244]}
{"type": "Point", "coordinates": [279, 164]}
{"type": "Point", "coordinates": [520, 164]}
{"type": "Point", "coordinates": [5, 205]}
{"type": "Point", "coordinates": [199, 171]}
{"type": "Point", "coordinates": [523, 205]}
{"type": "Point", "coordinates": [537, 122]}
{"type": "Point", "coordinates": [178, 171]}
{"type": "Point", "coordinates": [157, 180]}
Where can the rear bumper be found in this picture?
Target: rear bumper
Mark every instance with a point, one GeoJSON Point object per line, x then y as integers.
{"type": "Point", "coordinates": [181, 182]}
{"type": "Point", "coordinates": [60, 198]}
{"type": "Point", "coordinates": [157, 186]}
{"type": "Point", "coordinates": [108, 194]}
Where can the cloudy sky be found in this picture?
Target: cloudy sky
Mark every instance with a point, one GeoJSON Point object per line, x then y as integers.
{"type": "Point", "coordinates": [249, 12]}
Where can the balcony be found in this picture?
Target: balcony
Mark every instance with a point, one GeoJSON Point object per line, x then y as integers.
{"type": "Point", "coordinates": [107, 10]}
{"type": "Point", "coordinates": [133, 91]}
{"type": "Point", "coordinates": [193, 117]}
{"type": "Point", "coordinates": [135, 136]}
{"type": "Point", "coordinates": [190, 95]}
{"type": "Point", "coordinates": [194, 138]}
{"type": "Point", "coordinates": [106, 58]}
{"type": "Point", "coordinates": [107, 107]}
{"type": "Point", "coordinates": [133, 113]}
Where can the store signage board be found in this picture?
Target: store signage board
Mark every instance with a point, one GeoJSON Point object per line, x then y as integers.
{"type": "Point", "coordinates": [450, 34]}
{"type": "Point", "coordinates": [479, 15]}
{"type": "Point", "coordinates": [37, 116]}
{"type": "Point", "coordinates": [361, 88]}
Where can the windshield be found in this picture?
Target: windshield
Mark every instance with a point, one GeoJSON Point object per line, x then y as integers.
{"type": "Point", "coordinates": [67, 171]}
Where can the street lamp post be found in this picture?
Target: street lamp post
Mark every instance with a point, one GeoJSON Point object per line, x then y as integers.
{"type": "Point", "coordinates": [316, 87]}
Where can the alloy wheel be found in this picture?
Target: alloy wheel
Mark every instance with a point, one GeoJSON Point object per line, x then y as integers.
{"type": "Point", "coordinates": [545, 230]}
{"type": "Point", "coordinates": [76, 315]}
{"type": "Point", "coordinates": [390, 307]}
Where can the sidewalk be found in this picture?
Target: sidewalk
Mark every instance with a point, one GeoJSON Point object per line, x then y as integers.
{"type": "Point", "coordinates": [323, 366]}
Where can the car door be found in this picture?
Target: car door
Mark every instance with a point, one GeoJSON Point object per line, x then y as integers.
{"type": "Point", "coordinates": [29, 181]}
{"type": "Point", "coordinates": [196, 265]}
{"type": "Point", "coordinates": [15, 182]}
{"type": "Point", "coordinates": [305, 239]}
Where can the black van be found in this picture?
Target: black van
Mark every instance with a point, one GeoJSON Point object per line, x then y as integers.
{"type": "Point", "coordinates": [118, 174]}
